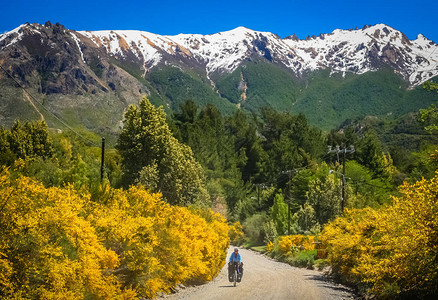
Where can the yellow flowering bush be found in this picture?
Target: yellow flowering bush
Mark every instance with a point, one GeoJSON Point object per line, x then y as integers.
{"type": "Point", "coordinates": [347, 238]}
{"type": "Point", "coordinates": [297, 250]}
{"type": "Point", "coordinates": [392, 250]}
{"type": "Point", "coordinates": [287, 243]}
{"type": "Point", "coordinates": [49, 251]}
{"type": "Point", "coordinates": [58, 244]}
{"type": "Point", "coordinates": [269, 247]}
{"type": "Point", "coordinates": [236, 233]}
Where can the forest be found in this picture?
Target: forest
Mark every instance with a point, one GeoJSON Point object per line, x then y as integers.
{"type": "Point", "coordinates": [188, 182]}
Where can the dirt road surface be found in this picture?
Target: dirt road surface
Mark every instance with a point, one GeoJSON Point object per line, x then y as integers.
{"type": "Point", "coordinates": [264, 278]}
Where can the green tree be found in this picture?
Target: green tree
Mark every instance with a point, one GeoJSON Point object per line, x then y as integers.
{"type": "Point", "coordinates": [429, 117]}
{"type": "Point", "coordinates": [325, 197]}
{"type": "Point", "coordinates": [25, 140]}
{"type": "Point", "coordinates": [369, 191]}
{"type": "Point", "coordinates": [145, 142]}
{"type": "Point", "coordinates": [279, 214]}
{"type": "Point", "coordinates": [205, 132]}
{"type": "Point", "coordinates": [248, 145]}
{"type": "Point", "coordinates": [7, 157]}
{"type": "Point", "coordinates": [289, 142]}
{"type": "Point", "coordinates": [431, 86]}
{"type": "Point", "coordinates": [305, 219]}
{"type": "Point", "coordinates": [299, 186]}
{"type": "Point", "coordinates": [254, 228]}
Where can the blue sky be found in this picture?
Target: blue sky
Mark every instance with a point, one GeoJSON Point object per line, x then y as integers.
{"type": "Point", "coordinates": [303, 17]}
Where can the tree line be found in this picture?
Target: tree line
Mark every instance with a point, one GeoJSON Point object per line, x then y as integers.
{"type": "Point", "coordinates": [263, 165]}
{"type": "Point", "coordinates": [271, 171]}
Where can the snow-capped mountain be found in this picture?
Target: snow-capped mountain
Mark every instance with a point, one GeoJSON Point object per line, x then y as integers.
{"type": "Point", "coordinates": [369, 49]}
{"type": "Point", "coordinates": [358, 51]}
{"type": "Point", "coordinates": [87, 73]}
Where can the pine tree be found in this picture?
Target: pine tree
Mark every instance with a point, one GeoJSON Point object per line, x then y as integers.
{"type": "Point", "coordinates": [146, 143]}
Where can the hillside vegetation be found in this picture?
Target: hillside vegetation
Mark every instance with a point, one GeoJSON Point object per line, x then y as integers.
{"type": "Point", "coordinates": [147, 225]}
{"type": "Point", "coordinates": [325, 99]}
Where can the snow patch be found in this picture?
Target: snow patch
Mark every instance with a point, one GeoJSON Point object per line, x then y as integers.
{"type": "Point", "coordinates": [16, 31]}
{"type": "Point", "coordinates": [75, 38]}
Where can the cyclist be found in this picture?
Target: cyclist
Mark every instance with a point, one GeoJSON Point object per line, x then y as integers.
{"type": "Point", "coordinates": [235, 257]}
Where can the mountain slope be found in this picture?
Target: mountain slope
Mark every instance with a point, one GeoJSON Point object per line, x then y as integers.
{"type": "Point", "coordinates": [72, 77]}
{"type": "Point", "coordinates": [326, 99]}
{"type": "Point", "coordinates": [89, 78]}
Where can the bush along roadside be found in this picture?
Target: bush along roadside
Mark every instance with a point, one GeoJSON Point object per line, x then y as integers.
{"type": "Point", "coordinates": [297, 250]}
{"type": "Point", "coordinates": [390, 252]}
{"type": "Point", "coordinates": [57, 243]}
{"type": "Point", "coordinates": [385, 253]}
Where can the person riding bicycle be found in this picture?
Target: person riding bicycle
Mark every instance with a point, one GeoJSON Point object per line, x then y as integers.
{"type": "Point", "coordinates": [235, 257]}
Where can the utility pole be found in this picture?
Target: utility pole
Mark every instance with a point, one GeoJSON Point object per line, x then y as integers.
{"type": "Point", "coordinates": [289, 173]}
{"type": "Point", "coordinates": [102, 163]}
{"type": "Point", "coordinates": [258, 186]}
{"type": "Point", "coordinates": [288, 218]}
{"type": "Point", "coordinates": [338, 150]}
{"type": "Point", "coordinates": [258, 194]}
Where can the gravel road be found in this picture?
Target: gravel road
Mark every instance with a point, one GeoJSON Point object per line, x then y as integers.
{"type": "Point", "coordinates": [264, 278]}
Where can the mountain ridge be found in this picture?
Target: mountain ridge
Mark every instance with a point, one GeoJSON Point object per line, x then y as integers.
{"type": "Point", "coordinates": [357, 51]}
{"type": "Point", "coordinates": [353, 50]}
{"type": "Point", "coordinates": [78, 73]}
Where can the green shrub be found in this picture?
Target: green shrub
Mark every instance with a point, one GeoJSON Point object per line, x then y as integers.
{"type": "Point", "coordinates": [304, 259]}
{"type": "Point", "coordinates": [320, 264]}
{"type": "Point", "coordinates": [253, 229]}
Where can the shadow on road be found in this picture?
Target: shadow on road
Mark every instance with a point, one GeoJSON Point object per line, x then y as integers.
{"type": "Point", "coordinates": [325, 281]}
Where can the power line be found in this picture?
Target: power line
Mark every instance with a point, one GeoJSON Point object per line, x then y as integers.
{"type": "Point", "coordinates": [42, 105]}
{"type": "Point", "coordinates": [359, 182]}
{"type": "Point", "coordinates": [298, 169]}
{"type": "Point", "coordinates": [338, 150]}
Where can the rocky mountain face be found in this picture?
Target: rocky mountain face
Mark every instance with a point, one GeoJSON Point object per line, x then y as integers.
{"type": "Point", "coordinates": [65, 71]}
{"type": "Point", "coordinates": [91, 77]}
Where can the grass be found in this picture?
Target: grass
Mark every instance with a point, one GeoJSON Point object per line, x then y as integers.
{"type": "Point", "coordinates": [261, 249]}
{"type": "Point", "coordinates": [304, 259]}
